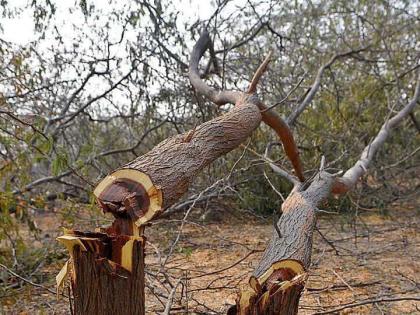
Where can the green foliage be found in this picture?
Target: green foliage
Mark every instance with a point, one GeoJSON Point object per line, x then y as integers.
{"type": "Point", "coordinates": [187, 251]}
{"type": "Point", "coordinates": [60, 162]}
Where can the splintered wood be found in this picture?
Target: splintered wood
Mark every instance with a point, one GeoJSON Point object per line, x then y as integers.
{"type": "Point", "coordinates": [106, 272]}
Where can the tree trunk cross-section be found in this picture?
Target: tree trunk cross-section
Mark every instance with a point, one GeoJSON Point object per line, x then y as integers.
{"type": "Point", "coordinates": [141, 189]}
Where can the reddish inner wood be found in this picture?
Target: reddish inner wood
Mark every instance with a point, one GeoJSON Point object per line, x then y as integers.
{"type": "Point", "coordinates": [103, 245]}
{"type": "Point", "coordinates": [277, 277]}
{"type": "Point", "coordinates": [125, 198]}
{"type": "Point", "coordinates": [117, 244]}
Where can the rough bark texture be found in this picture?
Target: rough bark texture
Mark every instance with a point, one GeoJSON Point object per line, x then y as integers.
{"type": "Point", "coordinates": [294, 244]}
{"type": "Point", "coordinates": [108, 291]}
{"type": "Point", "coordinates": [173, 163]}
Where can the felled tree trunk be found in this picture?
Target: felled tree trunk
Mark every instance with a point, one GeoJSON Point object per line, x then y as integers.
{"type": "Point", "coordinates": [106, 272]}
{"type": "Point", "coordinates": [143, 188]}
{"type": "Point", "coordinates": [278, 280]}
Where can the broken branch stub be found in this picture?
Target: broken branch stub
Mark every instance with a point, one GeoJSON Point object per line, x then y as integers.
{"type": "Point", "coordinates": [110, 263]}
{"type": "Point", "coordinates": [143, 188]}
{"type": "Point", "coordinates": [129, 194]}
{"type": "Point", "coordinates": [274, 292]}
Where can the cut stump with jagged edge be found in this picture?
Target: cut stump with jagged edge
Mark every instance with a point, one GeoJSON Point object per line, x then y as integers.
{"type": "Point", "coordinates": [106, 272]}
{"type": "Point", "coordinates": [276, 292]}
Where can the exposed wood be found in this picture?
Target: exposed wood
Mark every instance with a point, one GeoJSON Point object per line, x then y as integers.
{"type": "Point", "coordinates": [106, 273]}
{"type": "Point", "coordinates": [274, 292]}
{"type": "Point", "coordinates": [110, 262]}
{"type": "Point", "coordinates": [296, 225]}
{"type": "Point", "coordinates": [288, 255]}
{"type": "Point", "coordinates": [143, 188]}
{"type": "Point", "coordinates": [129, 193]}
{"type": "Point", "coordinates": [107, 267]}
{"type": "Point", "coordinates": [159, 178]}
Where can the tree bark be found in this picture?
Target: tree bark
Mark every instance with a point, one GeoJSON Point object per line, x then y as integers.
{"type": "Point", "coordinates": [278, 281]}
{"type": "Point", "coordinates": [107, 275]}
{"type": "Point", "coordinates": [146, 186]}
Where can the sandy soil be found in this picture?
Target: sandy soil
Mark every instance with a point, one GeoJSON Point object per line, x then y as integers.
{"type": "Point", "coordinates": [369, 259]}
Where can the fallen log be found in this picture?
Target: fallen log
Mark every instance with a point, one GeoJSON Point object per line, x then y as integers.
{"type": "Point", "coordinates": [146, 186]}
{"type": "Point", "coordinates": [141, 189]}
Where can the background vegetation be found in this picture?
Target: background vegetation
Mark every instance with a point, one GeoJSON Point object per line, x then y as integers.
{"type": "Point", "coordinates": [93, 91]}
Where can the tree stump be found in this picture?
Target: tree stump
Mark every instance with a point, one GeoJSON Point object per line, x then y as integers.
{"type": "Point", "coordinates": [106, 271]}
{"type": "Point", "coordinates": [279, 279]}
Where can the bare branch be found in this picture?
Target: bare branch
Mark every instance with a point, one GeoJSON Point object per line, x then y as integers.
{"type": "Point", "coordinates": [291, 120]}
{"type": "Point", "coordinates": [370, 301]}
{"type": "Point", "coordinates": [135, 146]}
{"type": "Point", "coordinates": [218, 97]}
{"type": "Point", "coordinates": [26, 280]}
{"type": "Point", "coordinates": [258, 74]}
{"type": "Point", "coordinates": [349, 179]}
{"type": "Point", "coordinates": [287, 96]}
{"type": "Point", "coordinates": [294, 180]}
{"type": "Point", "coordinates": [171, 298]}
{"type": "Point", "coordinates": [14, 117]}
{"type": "Point", "coordinates": [245, 40]}
{"type": "Point", "coordinates": [273, 119]}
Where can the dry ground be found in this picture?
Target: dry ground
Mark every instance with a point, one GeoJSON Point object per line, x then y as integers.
{"type": "Point", "coordinates": [369, 259]}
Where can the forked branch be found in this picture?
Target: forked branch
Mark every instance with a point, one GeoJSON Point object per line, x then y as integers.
{"type": "Point", "coordinates": [273, 119]}
{"type": "Point", "coordinates": [269, 117]}
{"type": "Point", "coordinates": [278, 280]}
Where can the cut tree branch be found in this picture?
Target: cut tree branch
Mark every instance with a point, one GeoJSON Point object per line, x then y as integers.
{"type": "Point", "coordinates": [258, 74]}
